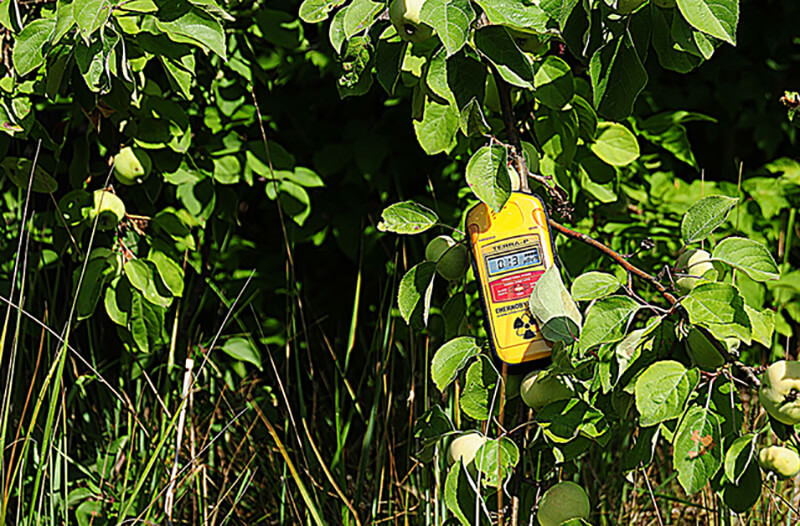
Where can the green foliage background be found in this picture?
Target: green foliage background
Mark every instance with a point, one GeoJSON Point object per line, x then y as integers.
{"type": "Point", "coordinates": [250, 256]}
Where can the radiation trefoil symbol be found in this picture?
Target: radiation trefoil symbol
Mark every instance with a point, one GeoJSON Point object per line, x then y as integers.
{"type": "Point", "coordinates": [524, 326]}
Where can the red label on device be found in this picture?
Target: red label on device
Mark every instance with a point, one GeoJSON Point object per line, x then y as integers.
{"type": "Point", "coordinates": [514, 287]}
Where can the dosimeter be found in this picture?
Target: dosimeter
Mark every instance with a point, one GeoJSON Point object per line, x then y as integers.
{"type": "Point", "coordinates": [511, 249]}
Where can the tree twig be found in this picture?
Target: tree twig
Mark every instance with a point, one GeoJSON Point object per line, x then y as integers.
{"type": "Point", "coordinates": [557, 195]}
{"type": "Point", "coordinates": [616, 257]}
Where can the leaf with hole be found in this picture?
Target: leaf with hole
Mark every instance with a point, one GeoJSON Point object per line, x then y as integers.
{"type": "Point", "coordinates": [697, 451]}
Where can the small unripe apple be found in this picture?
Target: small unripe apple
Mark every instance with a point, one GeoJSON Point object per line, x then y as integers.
{"type": "Point", "coordinates": [779, 393]}
{"type": "Point", "coordinates": [695, 263]}
{"type": "Point", "coordinates": [564, 501]}
{"type": "Point", "coordinates": [464, 447]}
{"type": "Point", "coordinates": [131, 165]}
{"type": "Point", "coordinates": [540, 388]}
{"type": "Point", "coordinates": [404, 15]}
{"type": "Point", "coordinates": [109, 208]}
{"type": "Point", "coordinates": [782, 461]}
{"type": "Point", "coordinates": [450, 257]}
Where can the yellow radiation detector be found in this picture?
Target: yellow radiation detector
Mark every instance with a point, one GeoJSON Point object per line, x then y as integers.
{"type": "Point", "coordinates": [511, 249]}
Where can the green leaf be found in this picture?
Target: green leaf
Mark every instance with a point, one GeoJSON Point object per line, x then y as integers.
{"type": "Point", "coordinates": [554, 83]}
{"type": "Point", "coordinates": [407, 217]}
{"type": "Point", "coordinates": [479, 391]}
{"type": "Point", "coordinates": [136, 323]}
{"type": "Point", "coordinates": [175, 229]}
{"type": "Point", "coordinates": [705, 216]}
{"type": "Point", "coordinates": [564, 420]}
{"type": "Point", "coordinates": [488, 177]}
{"type": "Point", "coordinates": [617, 76]}
{"type": "Point", "coordinates": [388, 59]}
{"type": "Point", "coordinates": [64, 20]}
{"type": "Point", "coordinates": [92, 61]}
{"type": "Point", "coordinates": [118, 299]}
{"type": "Point", "coordinates": [559, 10]}
{"type": "Point", "coordinates": [429, 428]}
{"type": "Point", "coordinates": [19, 172]}
{"type": "Point", "coordinates": [462, 498]}
{"type": "Point", "coordinates": [451, 358]}
{"type": "Point", "coordinates": [336, 30]}
{"type": "Point", "coordinates": [662, 391]}
{"type": "Point", "coordinates": [414, 295]}
{"type": "Point", "coordinates": [451, 19]}
{"type": "Point", "coordinates": [744, 494]}
{"type": "Point", "coordinates": [557, 135]}
{"type": "Point", "coordinates": [99, 270]}
{"type": "Point", "coordinates": [187, 24]}
{"type": "Point", "coordinates": [666, 130]}
{"type": "Point", "coordinates": [594, 285]}
{"type": "Point", "coordinates": [515, 14]}
{"type": "Point", "coordinates": [169, 271]}
{"type": "Point", "coordinates": [555, 311]}
{"type": "Point", "coordinates": [356, 60]}
{"type": "Point", "coordinates": [615, 144]}
{"type": "Point", "coordinates": [472, 121]}
{"type": "Point", "coordinates": [496, 459]}
{"type": "Point", "coordinates": [740, 454]}
{"type": "Point", "coordinates": [697, 452]}
{"type": "Point", "coordinates": [359, 15]}
{"type": "Point", "coordinates": [181, 73]}
{"type": "Point", "coordinates": [749, 256]}
{"type": "Point", "coordinates": [241, 349]}
{"type": "Point", "coordinates": [719, 308]}
{"type": "Point", "coordinates": [669, 56]}
{"type": "Point", "coordinates": [30, 43]}
{"type": "Point", "coordinates": [314, 11]}
{"type": "Point", "coordinates": [466, 76]}
{"type": "Point", "coordinates": [642, 452]}
{"type": "Point", "coordinates": [88, 511]}
{"type": "Point", "coordinates": [587, 118]}
{"type": "Point", "coordinates": [607, 321]}
{"type": "Point", "coordinates": [769, 195]}
{"type": "Point", "coordinates": [90, 15]}
{"type": "Point", "coordinates": [717, 18]}
{"type": "Point", "coordinates": [141, 274]}
{"type": "Point", "coordinates": [227, 169]}
{"type": "Point", "coordinates": [763, 323]}
{"type": "Point", "coordinates": [436, 77]}
{"type": "Point", "coordinates": [499, 48]}
{"type": "Point", "coordinates": [436, 132]}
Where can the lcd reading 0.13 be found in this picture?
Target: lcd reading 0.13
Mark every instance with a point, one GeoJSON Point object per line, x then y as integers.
{"type": "Point", "coordinates": [517, 261]}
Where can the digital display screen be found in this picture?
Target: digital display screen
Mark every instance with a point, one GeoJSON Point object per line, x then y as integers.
{"type": "Point", "coordinates": [515, 261]}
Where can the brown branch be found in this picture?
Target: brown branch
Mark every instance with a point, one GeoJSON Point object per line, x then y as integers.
{"type": "Point", "coordinates": [616, 257]}
{"type": "Point", "coordinates": [557, 194]}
